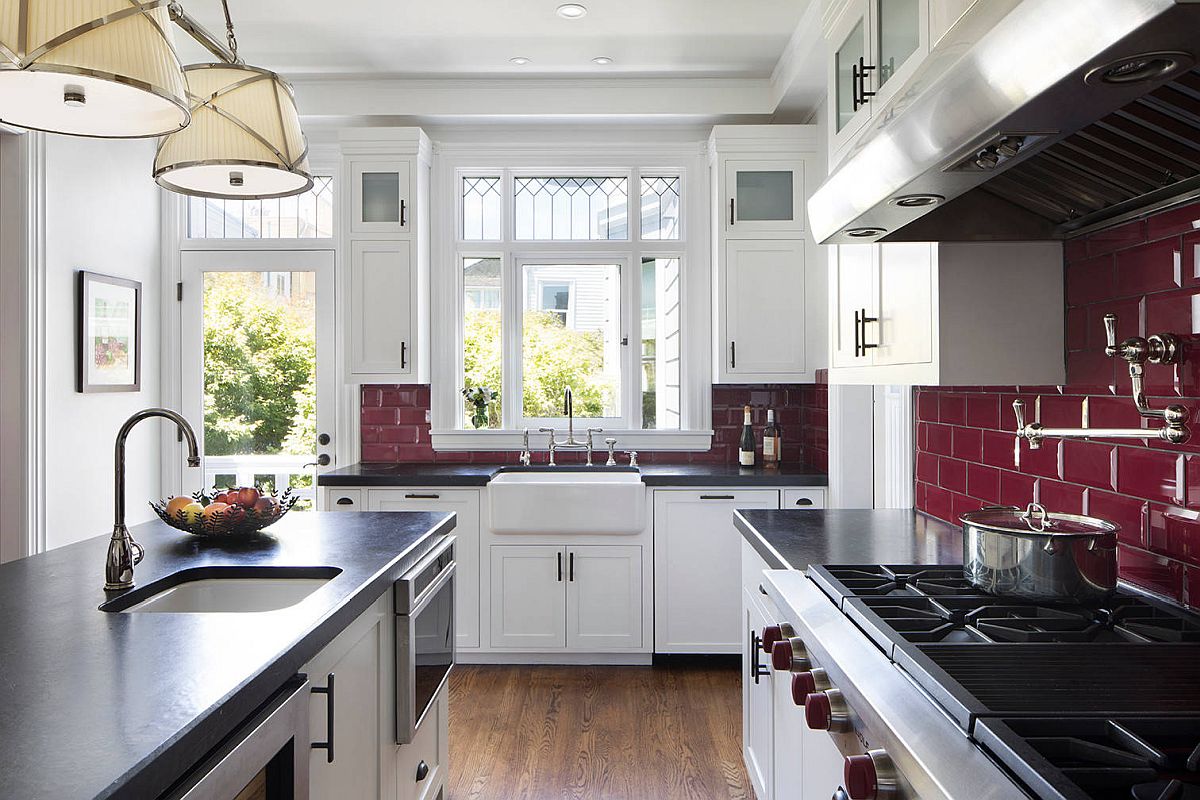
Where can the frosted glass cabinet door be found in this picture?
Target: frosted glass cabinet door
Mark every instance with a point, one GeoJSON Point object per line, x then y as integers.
{"type": "Point", "coordinates": [849, 107]}
{"type": "Point", "coordinates": [763, 196]}
{"type": "Point", "coordinates": [381, 197]}
{"type": "Point", "coordinates": [901, 33]}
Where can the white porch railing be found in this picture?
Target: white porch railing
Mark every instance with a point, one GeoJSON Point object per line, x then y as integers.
{"type": "Point", "coordinates": [244, 468]}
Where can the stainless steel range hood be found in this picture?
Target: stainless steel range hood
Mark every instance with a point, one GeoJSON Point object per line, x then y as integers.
{"type": "Point", "coordinates": [1030, 120]}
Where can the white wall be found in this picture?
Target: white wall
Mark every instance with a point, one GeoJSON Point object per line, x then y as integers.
{"type": "Point", "coordinates": [101, 214]}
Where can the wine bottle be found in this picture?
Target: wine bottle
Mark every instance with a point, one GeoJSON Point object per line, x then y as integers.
{"type": "Point", "coordinates": [746, 446]}
{"type": "Point", "coordinates": [771, 441]}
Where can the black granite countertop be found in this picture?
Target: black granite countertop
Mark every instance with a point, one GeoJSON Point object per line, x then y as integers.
{"type": "Point", "coordinates": [99, 704]}
{"type": "Point", "coordinates": [466, 475]}
{"type": "Point", "coordinates": [794, 539]}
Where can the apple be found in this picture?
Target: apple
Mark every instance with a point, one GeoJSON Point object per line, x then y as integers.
{"type": "Point", "coordinates": [229, 497]}
{"type": "Point", "coordinates": [193, 512]}
{"type": "Point", "coordinates": [213, 509]}
{"type": "Point", "coordinates": [248, 496]}
{"type": "Point", "coordinates": [175, 504]}
{"type": "Point", "coordinates": [234, 515]}
{"type": "Point", "coordinates": [266, 506]}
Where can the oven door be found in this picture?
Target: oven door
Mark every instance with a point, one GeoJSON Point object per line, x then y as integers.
{"type": "Point", "coordinates": [266, 758]}
{"type": "Point", "coordinates": [424, 636]}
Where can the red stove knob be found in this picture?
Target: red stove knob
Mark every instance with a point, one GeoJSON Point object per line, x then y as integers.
{"type": "Point", "coordinates": [826, 711]}
{"type": "Point", "coordinates": [803, 684]}
{"type": "Point", "coordinates": [869, 776]}
{"type": "Point", "coordinates": [789, 655]}
{"type": "Point", "coordinates": [770, 635]}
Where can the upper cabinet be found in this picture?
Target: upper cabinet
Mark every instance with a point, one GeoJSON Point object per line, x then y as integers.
{"type": "Point", "coordinates": [385, 289]}
{"type": "Point", "coordinates": [874, 46]}
{"type": "Point", "coordinates": [768, 277]}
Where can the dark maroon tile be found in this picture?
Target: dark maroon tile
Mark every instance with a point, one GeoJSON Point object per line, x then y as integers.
{"type": "Point", "coordinates": [369, 434]}
{"type": "Point", "coordinates": [1150, 475]}
{"type": "Point", "coordinates": [983, 411]}
{"type": "Point", "coordinates": [999, 449]}
{"type": "Point", "coordinates": [1192, 477]}
{"type": "Point", "coordinates": [1191, 267]}
{"type": "Point", "coordinates": [1105, 411]}
{"type": "Point", "coordinates": [927, 467]}
{"type": "Point", "coordinates": [983, 482]}
{"type": "Point", "coordinates": [1060, 497]}
{"type": "Point", "coordinates": [1089, 463]}
{"type": "Point", "coordinates": [1057, 411]}
{"type": "Point", "coordinates": [1127, 512]}
{"type": "Point", "coordinates": [968, 444]}
{"type": "Point", "coordinates": [960, 504]}
{"type": "Point", "coordinates": [927, 405]}
{"type": "Point", "coordinates": [400, 434]}
{"type": "Point", "coordinates": [1174, 221]}
{"type": "Point", "coordinates": [1075, 249]}
{"type": "Point", "coordinates": [1045, 461]}
{"type": "Point", "coordinates": [1090, 281]}
{"type": "Point", "coordinates": [1171, 312]}
{"type": "Point", "coordinates": [379, 453]}
{"type": "Point", "coordinates": [938, 503]}
{"type": "Point", "coordinates": [952, 409]}
{"type": "Point", "coordinates": [413, 416]}
{"type": "Point", "coordinates": [919, 497]}
{"type": "Point", "coordinates": [1017, 489]}
{"type": "Point", "coordinates": [1090, 370]}
{"type": "Point", "coordinates": [380, 416]}
{"type": "Point", "coordinates": [952, 474]}
{"type": "Point", "coordinates": [371, 396]}
{"type": "Point", "coordinates": [1175, 532]}
{"type": "Point", "coordinates": [1077, 328]}
{"type": "Point", "coordinates": [938, 439]}
{"type": "Point", "coordinates": [1149, 268]}
{"type": "Point", "coordinates": [1149, 571]}
{"type": "Point", "coordinates": [1127, 235]}
{"type": "Point", "coordinates": [923, 436]}
{"type": "Point", "coordinates": [1130, 314]}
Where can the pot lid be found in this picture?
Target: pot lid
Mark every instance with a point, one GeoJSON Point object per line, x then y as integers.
{"type": "Point", "coordinates": [1034, 518]}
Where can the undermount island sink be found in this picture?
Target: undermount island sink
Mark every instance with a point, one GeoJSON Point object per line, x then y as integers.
{"type": "Point", "coordinates": [567, 502]}
{"type": "Point", "coordinates": [225, 590]}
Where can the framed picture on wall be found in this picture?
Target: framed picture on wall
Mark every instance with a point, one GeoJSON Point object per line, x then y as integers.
{"type": "Point", "coordinates": [109, 324]}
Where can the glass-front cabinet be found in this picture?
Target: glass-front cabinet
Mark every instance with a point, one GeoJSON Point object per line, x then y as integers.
{"type": "Point", "coordinates": [381, 199]}
{"type": "Point", "coordinates": [763, 196]}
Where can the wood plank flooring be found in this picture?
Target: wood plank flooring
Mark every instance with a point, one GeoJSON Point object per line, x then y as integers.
{"type": "Point", "coordinates": [602, 733]}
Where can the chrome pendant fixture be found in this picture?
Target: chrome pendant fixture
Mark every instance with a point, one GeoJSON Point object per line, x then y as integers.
{"type": "Point", "coordinates": [99, 68]}
{"type": "Point", "coordinates": [245, 140]}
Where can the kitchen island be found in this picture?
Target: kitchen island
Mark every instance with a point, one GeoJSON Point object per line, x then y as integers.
{"type": "Point", "coordinates": [106, 704]}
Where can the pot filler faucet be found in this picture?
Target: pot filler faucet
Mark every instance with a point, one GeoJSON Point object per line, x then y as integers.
{"type": "Point", "coordinates": [569, 443]}
{"type": "Point", "coordinates": [1160, 348]}
{"type": "Point", "coordinates": [123, 552]}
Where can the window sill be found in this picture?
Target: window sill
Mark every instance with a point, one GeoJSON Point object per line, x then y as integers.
{"type": "Point", "coordinates": [451, 440]}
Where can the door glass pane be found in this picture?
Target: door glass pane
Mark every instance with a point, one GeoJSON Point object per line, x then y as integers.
{"type": "Point", "coordinates": [845, 61]}
{"type": "Point", "coordinates": [764, 195]}
{"type": "Point", "coordinates": [571, 338]}
{"type": "Point", "coordinates": [899, 34]}
{"type": "Point", "coordinates": [260, 398]}
{"type": "Point", "coordinates": [380, 197]}
{"type": "Point", "coordinates": [482, 344]}
{"type": "Point", "coordinates": [660, 343]}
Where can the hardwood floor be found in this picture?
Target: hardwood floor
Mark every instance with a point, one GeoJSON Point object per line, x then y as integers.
{"type": "Point", "coordinates": [603, 733]}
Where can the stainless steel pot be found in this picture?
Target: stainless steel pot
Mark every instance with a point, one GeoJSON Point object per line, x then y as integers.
{"type": "Point", "coordinates": [1035, 555]}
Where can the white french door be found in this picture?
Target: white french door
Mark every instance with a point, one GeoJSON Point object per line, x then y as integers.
{"type": "Point", "coordinates": [257, 366]}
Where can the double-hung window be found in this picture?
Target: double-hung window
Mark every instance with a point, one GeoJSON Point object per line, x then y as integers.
{"type": "Point", "coordinates": [567, 278]}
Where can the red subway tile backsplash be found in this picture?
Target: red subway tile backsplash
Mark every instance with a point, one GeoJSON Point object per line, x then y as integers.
{"type": "Point", "coordinates": [1147, 273]}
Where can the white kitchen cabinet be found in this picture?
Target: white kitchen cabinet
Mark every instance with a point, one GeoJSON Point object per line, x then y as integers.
{"type": "Point", "coordinates": [943, 15]}
{"type": "Point", "coordinates": [758, 698]}
{"type": "Point", "coordinates": [361, 729]}
{"type": "Point", "coordinates": [339, 499]}
{"type": "Point", "coordinates": [764, 289]}
{"type": "Point", "coordinates": [697, 580]}
{"type": "Point", "coordinates": [803, 499]}
{"type": "Point", "coordinates": [763, 195]}
{"type": "Point", "coordinates": [423, 764]}
{"type": "Point", "coordinates": [604, 597]}
{"type": "Point", "coordinates": [464, 503]}
{"type": "Point", "coordinates": [382, 194]}
{"type": "Point", "coordinates": [529, 597]}
{"type": "Point", "coordinates": [947, 314]}
{"type": "Point", "coordinates": [382, 309]}
{"type": "Point", "coordinates": [850, 47]}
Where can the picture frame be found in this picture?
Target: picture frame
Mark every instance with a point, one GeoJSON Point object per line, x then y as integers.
{"type": "Point", "coordinates": [109, 331]}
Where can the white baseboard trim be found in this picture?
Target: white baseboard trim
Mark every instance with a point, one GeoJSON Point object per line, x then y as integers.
{"type": "Point", "coordinates": [569, 659]}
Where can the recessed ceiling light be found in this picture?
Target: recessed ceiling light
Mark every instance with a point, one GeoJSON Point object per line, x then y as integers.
{"type": "Point", "coordinates": [602, 60]}
{"type": "Point", "coordinates": [520, 61]}
{"type": "Point", "coordinates": [571, 10]}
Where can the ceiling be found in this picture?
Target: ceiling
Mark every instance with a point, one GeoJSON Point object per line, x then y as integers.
{"type": "Point", "coordinates": [476, 38]}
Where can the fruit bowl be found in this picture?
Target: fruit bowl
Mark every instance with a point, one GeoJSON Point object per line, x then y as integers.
{"type": "Point", "coordinates": [229, 512]}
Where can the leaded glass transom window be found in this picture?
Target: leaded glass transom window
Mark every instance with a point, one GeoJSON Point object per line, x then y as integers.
{"type": "Point", "coordinates": [305, 216]}
{"type": "Point", "coordinates": [481, 208]}
{"type": "Point", "coordinates": [660, 207]}
{"type": "Point", "coordinates": [571, 208]}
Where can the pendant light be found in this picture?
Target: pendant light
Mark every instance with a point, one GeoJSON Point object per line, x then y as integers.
{"type": "Point", "coordinates": [101, 68]}
{"type": "Point", "coordinates": [245, 140]}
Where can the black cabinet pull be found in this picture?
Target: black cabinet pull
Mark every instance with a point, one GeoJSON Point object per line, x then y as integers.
{"type": "Point", "coordinates": [857, 340]}
{"type": "Point", "coordinates": [717, 497]}
{"type": "Point", "coordinates": [404, 208]}
{"type": "Point", "coordinates": [804, 501]}
{"type": "Point", "coordinates": [731, 218]}
{"type": "Point", "coordinates": [864, 319]}
{"type": "Point", "coordinates": [571, 566]}
{"type": "Point", "coordinates": [422, 771]}
{"type": "Point", "coordinates": [326, 745]}
{"type": "Point", "coordinates": [345, 501]}
{"type": "Point", "coordinates": [560, 566]}
{"type": "Point", "coordinates": [761, 590]}
{"type": "Point", "coordinates": [404, 355]}
{"type": "Point", "coordinates": [733, 355]}
{"type": "Point", "coordinates": [422, 496]}
{"type": "Point", "coordinates": [757, 670]}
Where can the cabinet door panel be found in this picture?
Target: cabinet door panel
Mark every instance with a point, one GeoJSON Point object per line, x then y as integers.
{"type": "Point", "coordinates": [852, 285]}
{"type": "Point", "coordinates": [763, 196]}
{"type": "Point", "coordinates": [381, 196]}
{"type": "Point", "coordinates": [529, 597]}
{"type": "Point", "coordinates": [904, 333]}
{"type": "Point", "coordinates": [901, 42]}
{"type": "Point", "coordinates": [382, 308]}
{"type": "Point", "coordinates": [697, 573]}
{"type": "Point", "coordinates": [851, 42]}
{"type": "Point", "coordinates": [465, 504]}
{"type": "Point", "coordinates": [757, 703]}
{"type": "Point", "coordinates": [604, 597]}
{"type": "Point", "coordinates": [764, 307]}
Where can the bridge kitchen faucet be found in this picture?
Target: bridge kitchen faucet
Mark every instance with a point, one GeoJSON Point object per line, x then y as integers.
{"type": "Point", "coordinates": [570, 443]}
{"type": "Point", "coordinates": [123, 552]}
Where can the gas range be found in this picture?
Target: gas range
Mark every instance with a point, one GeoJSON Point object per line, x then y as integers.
{"type": "Point", "coordinates": [1069, 702]}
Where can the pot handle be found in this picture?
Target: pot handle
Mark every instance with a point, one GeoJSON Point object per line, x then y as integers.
{"type": "Point", "coordinates": [1038, 519]}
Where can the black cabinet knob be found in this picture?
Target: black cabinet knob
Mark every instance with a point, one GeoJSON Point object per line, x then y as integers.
{"type": "Point", "coordinates": [422, 771]}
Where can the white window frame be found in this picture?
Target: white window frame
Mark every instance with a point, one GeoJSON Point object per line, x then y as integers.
{"type": "Point", "coordinates": [631, 159]}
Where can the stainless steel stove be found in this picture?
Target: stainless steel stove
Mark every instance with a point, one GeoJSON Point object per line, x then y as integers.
{"type": "Point", "coordinates": [932, 689]}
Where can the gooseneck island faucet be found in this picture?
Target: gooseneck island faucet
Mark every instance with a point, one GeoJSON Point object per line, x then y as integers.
{"type": "Point", "coordinates": [1160, 348]}
{"type": "Point", "coordinates": [570, 443]}
{"type": "Point", "coordinates": [123, 552]}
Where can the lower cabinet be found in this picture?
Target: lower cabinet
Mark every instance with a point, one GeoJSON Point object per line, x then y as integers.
{"type": "Point", "coordinates": [582, 597]}
{"type": "Point", "coordinates": [758, 700]}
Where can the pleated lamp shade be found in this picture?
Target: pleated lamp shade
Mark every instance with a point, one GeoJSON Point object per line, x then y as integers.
{"type": "Point", "coordinates": [245, 139]}
{"type": "Point", "coordinates": [104, 68]}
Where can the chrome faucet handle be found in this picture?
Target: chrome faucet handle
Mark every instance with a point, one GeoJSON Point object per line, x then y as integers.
{"type": "Point", "coordinates": [1110, 334]}
{"type": "Point", "coordinates": [551, 444]}
{"type": "Point", "coordinates": [612, 459]}
{"type": "Point", "coordinates": [1031, 432]}
{"type": "Point", "coordinates": [1019, 411]}
{"type": "Point", "coordinates": [633, 462]}
{"type": "Point", "coordinates": [526, 457]}
{"type": "Point", "coordinates": [590, 431]}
